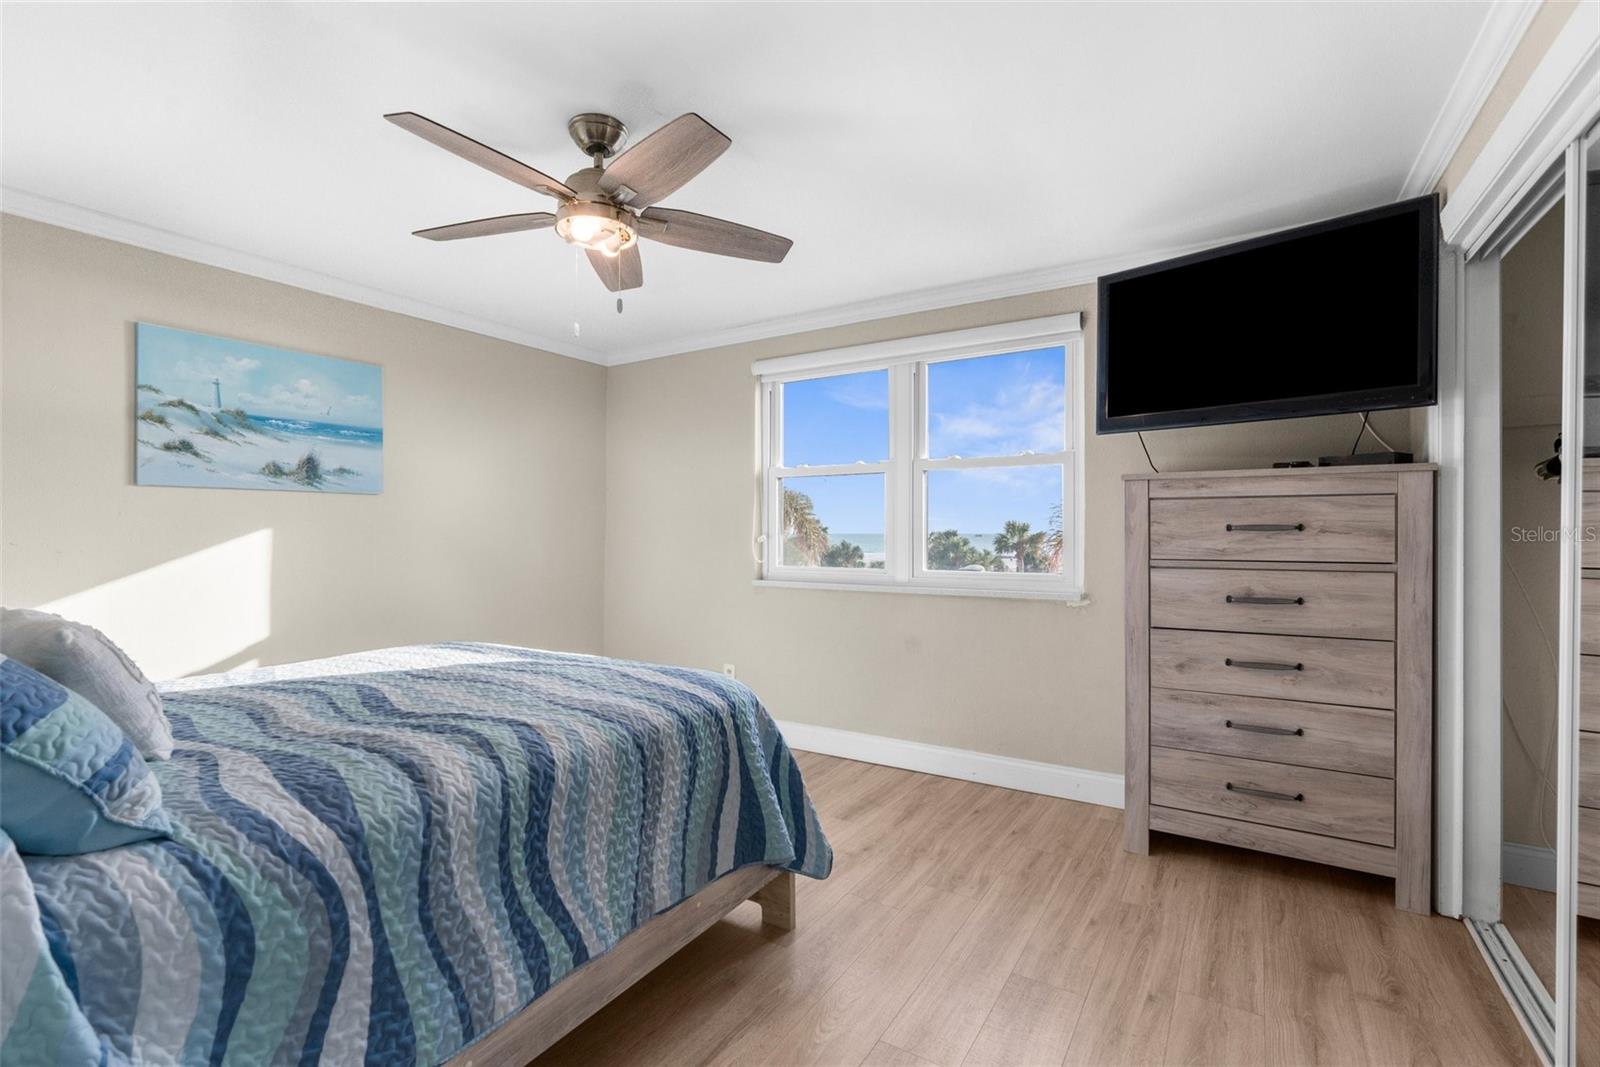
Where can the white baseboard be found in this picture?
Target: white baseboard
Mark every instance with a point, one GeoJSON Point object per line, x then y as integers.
{"type": "Point", "coordinates": [1030, 776]}
{"type": "Point", "coordinates": [1526, 865]}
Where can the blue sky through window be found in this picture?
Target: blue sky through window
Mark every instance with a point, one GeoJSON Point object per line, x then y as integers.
{"type": "Point", "coordinates": [849, 505]}
{"type": "Point", "coordinates": [998, 405]}
{"type": "Point", "coordinates": [978, 502]}
{"type": "Point", "coordinates": [1002, 405]}
{"type": "Point", "coordinates": [842, 419]}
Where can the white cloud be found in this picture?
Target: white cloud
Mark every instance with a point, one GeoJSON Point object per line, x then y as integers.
{"type": "Point", "coordinates": [1023, 416]}
{"type": "Point", "coordinates": [232, 370]}
{"type": "Point", "coordinates": [301, 397]}
{"type": "Point", "coordinates": [870, 394]}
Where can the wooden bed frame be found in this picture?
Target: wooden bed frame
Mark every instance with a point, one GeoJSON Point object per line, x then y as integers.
{"type": "Point", "coordinates": [515, 1042]}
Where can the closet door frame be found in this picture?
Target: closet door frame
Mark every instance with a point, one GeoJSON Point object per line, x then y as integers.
{"type": "Point", "coordinates": [1569, 691]}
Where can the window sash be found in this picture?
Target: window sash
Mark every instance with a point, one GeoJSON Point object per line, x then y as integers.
{"type": "Point", "coordinates": [905, 472]}
{"type": "Point", "coordinates": [893, 471]}
{"type": "Point", "coordinates": [923, 574]}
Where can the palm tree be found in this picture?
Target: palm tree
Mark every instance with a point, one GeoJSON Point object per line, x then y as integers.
{"type": "Point", "coordinates": [844, 554]}
{"type": "Point", "coordinates": [1016, 541]}
{"type": "Point", "coordinates": [1054, 542]}
{"type": "Point", "coordinates": [802, 530]}
{"type": "Point", "coordinates": [949, 550]}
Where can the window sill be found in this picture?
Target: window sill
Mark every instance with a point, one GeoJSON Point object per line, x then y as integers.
{"type": "Point", "coordinates": [1073, 597]}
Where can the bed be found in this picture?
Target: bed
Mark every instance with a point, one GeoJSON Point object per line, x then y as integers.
{"type": "Point", "coordinates": [421, 854]}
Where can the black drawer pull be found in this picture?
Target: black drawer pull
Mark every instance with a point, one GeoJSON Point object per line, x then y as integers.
{"type": "Point", "coordinates": [1267, 793]}
{"type": "Point", "coordinates": [1295, 600]}
{"type": "Point", "coordinates": [1262, 665]}
{"type": "Point", "coordinates": [1266, 527]}
{"type": "Point", "coordinates": [1250, 727]}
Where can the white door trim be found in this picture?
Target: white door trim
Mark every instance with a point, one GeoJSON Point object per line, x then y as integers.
{"type": "Point", "coordinates": [1479, 802]}
{"type": "Point", "coordinates": [1447, 447]}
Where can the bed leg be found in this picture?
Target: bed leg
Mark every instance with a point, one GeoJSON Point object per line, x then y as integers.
{"type": "Point", "coordinates": [777, 901]}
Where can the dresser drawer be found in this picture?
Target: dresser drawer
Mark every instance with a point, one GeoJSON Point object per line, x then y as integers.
{"type": "Point", "coordinates": [1589, 769]}
{"type": "Point", "coordinates": [1589, 638]}
{"type": "Point", "coordinates": [1589, 846]}
{"type": "Point", "coordinates": [1349, 529]}
{"type": "Point", "coordinates": [1589, 693]}
{"type": "Point", "coordinates": [1358, 740]}
{"type": "Point", "coordinates": [1314, 603]}
{"type": "Point", "coordinates": [1350, 806]}
{"type": "Point", "coordinates": [1591, 529]}
{"type": "Point", "coordinates": [1324, 670]}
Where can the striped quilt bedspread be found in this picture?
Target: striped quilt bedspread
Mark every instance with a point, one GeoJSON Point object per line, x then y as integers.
{"type": "Point", "coordinates": [379, 857]}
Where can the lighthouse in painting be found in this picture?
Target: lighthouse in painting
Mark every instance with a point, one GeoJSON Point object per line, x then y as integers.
{"type": "Point", "coordinates": [216, 389]}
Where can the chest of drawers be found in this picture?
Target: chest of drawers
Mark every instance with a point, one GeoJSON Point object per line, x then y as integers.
{"type": "Point", "coordinates": [1589, 705]}
{"type": "Point", "coordinates": [1280, 665]}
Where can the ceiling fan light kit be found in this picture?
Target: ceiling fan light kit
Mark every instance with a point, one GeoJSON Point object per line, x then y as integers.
{"type": "Point", "coordinates": [598, 227]}
{"type": "Point", "coordinates": [605, 208]}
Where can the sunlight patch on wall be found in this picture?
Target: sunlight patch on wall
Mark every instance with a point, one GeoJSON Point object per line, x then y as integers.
{"type": "Point", "coordinates": [187, 614]}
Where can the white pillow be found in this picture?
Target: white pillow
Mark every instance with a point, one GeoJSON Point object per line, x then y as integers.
{"type": "Point", "coordinates": [84, 660]}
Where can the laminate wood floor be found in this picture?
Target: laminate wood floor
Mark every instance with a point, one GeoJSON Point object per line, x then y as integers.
{"type": "Point", "coordinates": [970, 925]}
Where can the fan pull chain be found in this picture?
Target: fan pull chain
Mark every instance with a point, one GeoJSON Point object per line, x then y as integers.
{"type": "Point", "coordinates": [572, 303]}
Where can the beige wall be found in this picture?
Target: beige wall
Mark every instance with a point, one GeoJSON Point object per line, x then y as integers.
{"type": "Point", "coordinates": [1536, 40]}
{"type": "Point", "coordinates": [500, 521]}
{"type": "Point", "coordinates": [1530, 330]}
{"type": "Point", "coordinates": [1030, 679]}
{"type": "Point", "coordinates": [488, 526]}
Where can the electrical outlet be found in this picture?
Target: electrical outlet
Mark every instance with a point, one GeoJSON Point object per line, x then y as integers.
{"type": "Point", "coordinates": [727, 668]}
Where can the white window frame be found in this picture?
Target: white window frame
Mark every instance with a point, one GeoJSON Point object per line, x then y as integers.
{"type": "Point", "coordinates": [906, 470]}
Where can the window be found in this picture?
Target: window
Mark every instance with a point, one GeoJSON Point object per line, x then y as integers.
{"type": "Point", "coordinates": [947, 463]}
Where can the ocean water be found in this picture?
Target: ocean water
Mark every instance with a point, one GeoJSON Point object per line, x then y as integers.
{"type": "Point", "coordinates": [329, 431]}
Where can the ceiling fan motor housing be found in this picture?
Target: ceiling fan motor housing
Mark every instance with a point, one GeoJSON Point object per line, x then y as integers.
{"type": "Point", "coordinates": [597, 134]}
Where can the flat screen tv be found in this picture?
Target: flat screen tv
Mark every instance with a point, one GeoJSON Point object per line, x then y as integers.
{"type": "Point", "coordinates": [1333, 317]}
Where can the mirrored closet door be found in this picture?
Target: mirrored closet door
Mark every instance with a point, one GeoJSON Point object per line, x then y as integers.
{"type": "Point", "coordinates": [1531, 868]}
{"type": "Point", "coordinates": [1531, 296]}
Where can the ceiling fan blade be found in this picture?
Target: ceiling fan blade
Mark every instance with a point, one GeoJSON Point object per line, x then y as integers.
{"type": "Point", "coordinates": [481, 154]}
{"type": "Point", "coordinates": [720, 237]}
{"type": "Point", "coordinates": [664, 162]}
{"type": "Point", "coordinates": [533, 220]}
{"type": "Point", "coordinates": [625, 270]}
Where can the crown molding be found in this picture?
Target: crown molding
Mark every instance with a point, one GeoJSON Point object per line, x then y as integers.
{"type": "Point", "coordinates": [1486, 60]}
{"type": "Point", "coordinates": [1065, 276]}
{"type": "Point", "coordinates": [97, 224]}
{"type": "Point", "coordinates": [1555, 107]}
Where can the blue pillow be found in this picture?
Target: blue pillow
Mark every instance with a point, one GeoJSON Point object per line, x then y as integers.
{"type": "Point", "coordinates": [70, 780]}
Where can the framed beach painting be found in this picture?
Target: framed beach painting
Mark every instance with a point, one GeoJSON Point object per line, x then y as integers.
{"type": "Point", "coordinates": [214, 413]}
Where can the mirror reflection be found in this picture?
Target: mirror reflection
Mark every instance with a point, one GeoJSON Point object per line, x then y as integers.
{"type": "Point", "coordinates": [1531, 343]}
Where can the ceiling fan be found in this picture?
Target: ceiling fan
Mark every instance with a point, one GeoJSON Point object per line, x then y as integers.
{"type": "Point", "coordinates": [605, 209]}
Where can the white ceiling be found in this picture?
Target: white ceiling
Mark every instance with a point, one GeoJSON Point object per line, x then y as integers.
{"type": "Point", "coordinates": [904, 148]}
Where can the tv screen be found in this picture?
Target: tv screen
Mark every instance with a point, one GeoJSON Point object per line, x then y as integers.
{"type": "Point", "coordinates": [1333, 317]}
